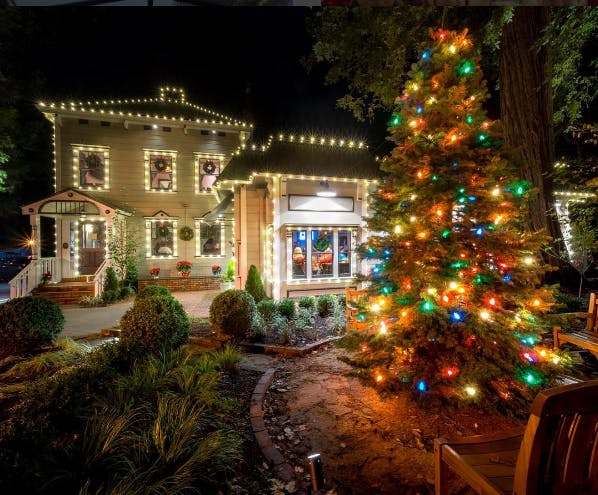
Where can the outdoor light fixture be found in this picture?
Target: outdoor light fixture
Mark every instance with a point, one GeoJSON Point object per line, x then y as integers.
{"type": "Point", "coordinates": [325, 190]}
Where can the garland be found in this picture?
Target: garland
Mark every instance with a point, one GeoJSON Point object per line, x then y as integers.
{"type": "Point", "coordinates": [163, 231]}
{"type": "Point", "coordinates": [186, 233]}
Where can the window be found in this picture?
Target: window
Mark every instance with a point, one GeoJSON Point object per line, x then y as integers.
{"type": "Point", "coordinates": [319, 253]}
{"type": "Point", "coordinates": [210, 241]}
{"type": "Point", "coordinates": [161, 170]}
{"type": "Point", "coordinates": [104, 123]}
{"type": "Point", "coordinates": [161, 238]}
{"type": "Point", "coordinates": [207, 170]}
{"type": "Point", "coordinates": [90, 166]}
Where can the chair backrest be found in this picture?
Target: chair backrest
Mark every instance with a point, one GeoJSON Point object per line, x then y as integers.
{"type": "Point", "coordinates": [354, 295]}
{"type": "Point", "coordinates": [591, 325]}
{"type": "Point", "coordinates": [559, 451]}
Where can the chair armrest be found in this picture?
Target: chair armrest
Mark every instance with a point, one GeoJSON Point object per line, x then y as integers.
{"type": "Point", "coordinates": [492, 437]}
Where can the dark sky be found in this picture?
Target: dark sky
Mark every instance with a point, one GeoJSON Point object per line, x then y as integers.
{"type": "Point", "coordinates": [238, 61]}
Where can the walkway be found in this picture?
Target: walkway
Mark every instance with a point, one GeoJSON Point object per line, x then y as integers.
{"type": "Point", "coordinates": [82, 322]}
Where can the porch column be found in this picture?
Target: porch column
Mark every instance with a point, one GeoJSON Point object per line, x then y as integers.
{"type": "Point", "coordinates": [35, 241]}
{"type": "Point", "coordinates": [108, 227]}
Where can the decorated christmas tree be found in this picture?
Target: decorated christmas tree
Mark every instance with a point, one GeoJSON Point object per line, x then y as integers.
{"type": "Point", "coordinates": [456, 301]}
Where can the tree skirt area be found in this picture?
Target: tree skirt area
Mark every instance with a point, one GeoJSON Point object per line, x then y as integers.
{"type": "Point", "coordinates": [368, 444]}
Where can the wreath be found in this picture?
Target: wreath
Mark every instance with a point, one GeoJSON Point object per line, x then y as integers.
{"type": "Point", "coordinates": [186, 233]}
{"type": "Point", "coordinates": [209, 167]}
{"type": "Point", "coordinates": [160, 164]}
{"type": "Point", "coordinates": [163, 231]}
{"type": "Point", "coordinates": [93, 160]}
{"type": "Point", "coordinates": [321, 243]}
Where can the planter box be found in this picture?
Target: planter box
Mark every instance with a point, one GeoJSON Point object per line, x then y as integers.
{"type": "Point", "coordinates": [180, 284]}
{"type": "Point", "coordinates": [258, 348]}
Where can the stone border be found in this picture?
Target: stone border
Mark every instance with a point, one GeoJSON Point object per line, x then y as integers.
{"type": "Point", "coordinates": [256, 414]}
{"type": "Point", "coordinates": [287, 350]}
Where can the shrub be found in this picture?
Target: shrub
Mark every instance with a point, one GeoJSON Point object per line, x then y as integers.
{"type": "Point", "coordinates": [154, 322]}
{"type": "Point", "coordinates": [91, 301]}
{"type": "Point", "coordinates": [267, 308]}
{"type": "Point", "coordinates": [126, 291]}
{"type": "Point", "coordinates": [110, 296]}
{"type": "Point", "coordinates": [286, 307]}
{"type": "Point", "coordinates": [308, 302]}
{"type": "Point", "coordinates": [326, 305]}
{"type": "Point", "coordinates": [233, 312]}
{"type": "Point", "coordinates": [341, 301]}
{"type": "Point", "coordinates": [254, 284]}
{"type": "Point", "coordinates": [28, 323]}
{"type": "Point", "coordinates": [111, 282]}
{"type": "Point", "coordinates": [153, 290]}
{"type": "Point", "coordinates": [227, 359]}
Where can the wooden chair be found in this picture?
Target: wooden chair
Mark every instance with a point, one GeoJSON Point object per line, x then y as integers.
{"type": "Point", "coordinates": [556, 454]}
{"type": "Point", "coordinates": [352, 298]}
{"type": "Point", "coordinates": [587, 337]}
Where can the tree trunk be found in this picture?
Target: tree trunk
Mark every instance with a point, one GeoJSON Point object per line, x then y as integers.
{"type": "Point", "coordinates": [526, 110]}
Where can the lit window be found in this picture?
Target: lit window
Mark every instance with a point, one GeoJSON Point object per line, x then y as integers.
{"type": "Point", "coordinates": [161, 238]}
{"type": "Point", "coordinates": [210, 239]}
{"type": "Point", "coordinates": [319, 253]}
{"type": "Point", "coordinates": [160, 172]}
{"type": "Point", "coordinates": [90, 167]}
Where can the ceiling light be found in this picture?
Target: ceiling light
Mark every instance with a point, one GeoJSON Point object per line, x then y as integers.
{"type": "Point", "coordinates": [325, 190]}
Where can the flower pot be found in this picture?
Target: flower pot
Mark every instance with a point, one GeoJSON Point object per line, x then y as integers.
{"type": "Point", "coordinates": [185, 274]}
{"type": "Point", "coordinates": [155, 276]}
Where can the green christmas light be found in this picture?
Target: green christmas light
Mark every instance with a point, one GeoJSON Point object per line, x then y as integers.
{"type": "Point", "coordinates": [434, 178]}
{"type": "Point", "coordinates": [396, 119]}
{"type": "Point", "coordinates": [465, 68]}
{"type": "Point", "coordinates": [427, 306]}
{"type": "Point", "coordinates": [445, 233]}
{"type": "Point", "coordinates": [530, 377]}
{"type": "Point", "coordinates": [469, 119]}
{"type": "Point", "coordinates": [482, 137]}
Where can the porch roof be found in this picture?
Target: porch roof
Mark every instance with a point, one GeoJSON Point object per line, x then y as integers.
{"type": "Point", "coordinates": [69, 195]}
{"type": "Point", "coordinates": [294, 158]}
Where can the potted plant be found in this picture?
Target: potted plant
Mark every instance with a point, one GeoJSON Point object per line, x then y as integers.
{"type": "Point", "coordinates": [46, 277]}
{"type": "Point", "coordinates": [184, 268]}
{"type": "Point", "coordinates": [216, 269]}
{"type": "Point", "coordinates": [155, 271]}
{"type": "Point", "coordinates": [228, 280]}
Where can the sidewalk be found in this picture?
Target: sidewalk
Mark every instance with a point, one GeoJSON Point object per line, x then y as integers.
{"type": "Point", "coordinates": [81, 322]}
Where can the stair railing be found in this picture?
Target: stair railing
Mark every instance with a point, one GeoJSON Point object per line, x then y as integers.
{"type": "Point", "coordinates": [99, 277]}
{"type": "Point", "coordinates": [30, 277]}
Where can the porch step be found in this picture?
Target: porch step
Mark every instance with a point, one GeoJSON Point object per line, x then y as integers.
{"type": "Point", "coordinates": [65, 292]}
{"type": "Point", "coordinates": [81, 278]}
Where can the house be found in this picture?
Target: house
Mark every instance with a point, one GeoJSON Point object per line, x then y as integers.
{"type": "Point", "coordinates": [185, 183]}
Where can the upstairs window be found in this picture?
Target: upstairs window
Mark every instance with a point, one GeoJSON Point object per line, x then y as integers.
{"type": "Point", "coordinates": [91, 167]}
{"type": "Point", "coordinates": [160, 170]}
{"type": "Point", "coordinates": [207, 170]}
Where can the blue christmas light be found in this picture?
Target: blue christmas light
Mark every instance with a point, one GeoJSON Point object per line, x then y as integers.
{"type": "Point", "coordinates": [471, 198]}
{"type": "Point", "coordinates": [479, 232]}
{"type": "Point", "coordinates": [507, 278]}
{"type": "Point", "coordinates": [422, 386]}
{"type": "Point", "coordinates": [426, 54]}
{"type": "Point", "coordinates": [457, 316]}
{"type": "Point", "coordinates": [420, 109]}
{"type": "Point", "coordinates": [455, 164]}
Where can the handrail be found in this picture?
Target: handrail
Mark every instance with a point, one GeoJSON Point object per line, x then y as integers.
{"type": "Point", "coordinates": [30, 277]}
{"type": "Point", "coordinates": [99, 277]}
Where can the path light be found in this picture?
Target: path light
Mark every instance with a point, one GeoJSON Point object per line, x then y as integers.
{"type": "Point", "coordinates": [317, 474]}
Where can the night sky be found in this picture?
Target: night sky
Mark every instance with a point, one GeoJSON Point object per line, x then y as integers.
{"type": "Point", "coordinates": [244, 62]}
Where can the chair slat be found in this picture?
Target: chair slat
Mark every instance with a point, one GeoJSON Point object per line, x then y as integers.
{"type": "Point", "coordinates": [580, 448]}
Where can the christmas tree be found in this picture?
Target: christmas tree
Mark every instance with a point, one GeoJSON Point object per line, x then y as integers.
{"type": "Point", "coordinates": [456, 297]}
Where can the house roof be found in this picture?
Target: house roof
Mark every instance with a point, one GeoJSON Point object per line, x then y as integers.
{"type": "Point", "coordinates": [171, 104]}
{"type": "Point", "coordinates": [310, 157]}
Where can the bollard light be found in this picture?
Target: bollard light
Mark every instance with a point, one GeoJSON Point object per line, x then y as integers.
{"type": "Point", "coordinates": [317, 474]}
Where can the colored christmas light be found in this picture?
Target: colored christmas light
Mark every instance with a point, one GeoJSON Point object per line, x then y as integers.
{"type": "Point", "coordinates": [422, 386]}
{"type": "Point", "coordinates": [465, 68]}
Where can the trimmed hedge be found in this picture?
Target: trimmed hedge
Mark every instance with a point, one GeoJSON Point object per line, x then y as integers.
{"type": "Point", "coordinates": [233, 312]}
{"type": "Point", "coordinates": [326, 305]}
{"type": "Point", "coordinates": [308, 302]}
{"type": "Point", "coordinates": [286, 307]}
{"type": "Point", "coordinates": [28, 323]}
{"type": "Point", "coordinates": [153, 322]}
{"type": "Point", "coordinates": [254, 284]}
{"type": "Point", "coordinates": [111, 282]}
{"type": "Point", "coordinates": [153, 290]}
{"type": "Point", "coordinates": [267, 308]}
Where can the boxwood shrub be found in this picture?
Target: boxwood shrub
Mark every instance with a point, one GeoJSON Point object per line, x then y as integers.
{"type": "Point", "coordinates": [326, 305]}
{"type": "Point", "coordinates": [154, 322]}
{"type": "Point", "coordinates": [308, 302]}
{"type": "Point", "coordinates": [153, 290]}
{"type": "Point", "coordinates": [267, 308]}
{"type": "Point", "coordinates": [286, 307]}
{"type": "Point", "coordinates": [233, 312]}
{"type": "Point", "coordinates": [28, 323]}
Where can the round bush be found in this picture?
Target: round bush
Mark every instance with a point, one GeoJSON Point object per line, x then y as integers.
{"type": "Point", "coordinates": [308, 302]}
{"type": "Point", "coordinates": [126, 291]}
{"type": "Point", "coordinates": [233, 312]}
{"type": "Point", "coordinates": [153, 290]}
{"type": "Point", "coordinates": [267, 308]}
{"type": "Point", "coordinates": [28, 323]}
{"type": "Point", "coordinates": [286, 307]}
{"type": "Point", "coordinates": [326, 304]}
{"type": "Point", "coordinates": [154, 322]}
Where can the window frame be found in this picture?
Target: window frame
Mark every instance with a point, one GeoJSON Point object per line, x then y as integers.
{"type": "Point", "coordinates": [197, 156]}
{"type": "Point", "coordinates": [199, 240]}
{"type": "Point", "coordinates": [309, 252]}
{"type": "Point", "coordinates": [149, 239]}
{"type": "Point", "coordinates": [77, 149]}
{"type": "Point", "coordinates": [147, 160]}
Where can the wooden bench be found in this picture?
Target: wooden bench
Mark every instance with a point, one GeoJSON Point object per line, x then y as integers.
{"type": "Point", "coordinates": [556, 454]}
{"type": "Point", "coordinates": [352, 299]}
{"type": "Point", "coordinates": [586, 337]}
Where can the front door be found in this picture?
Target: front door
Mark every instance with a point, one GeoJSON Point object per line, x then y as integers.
{"type": "Point", "coordinates": [92, 235]}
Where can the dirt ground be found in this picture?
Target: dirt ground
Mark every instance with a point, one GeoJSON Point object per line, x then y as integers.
{"type": "Point", "coordinates": [368, 444]}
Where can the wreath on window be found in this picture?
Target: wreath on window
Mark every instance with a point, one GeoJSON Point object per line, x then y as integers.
{"type": "Point", "coordinates": [161, 164]}
{"type": "Point", "coordinates": [163, 231]}
{"type": "Point", "coordinates": [186, 233]}
{"type": "Point", "coordinates": [93, 160]}
{"type": "Point", "coordinates": [321, 243]}
{"type": "Point", "coordinates": [209, 167]}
